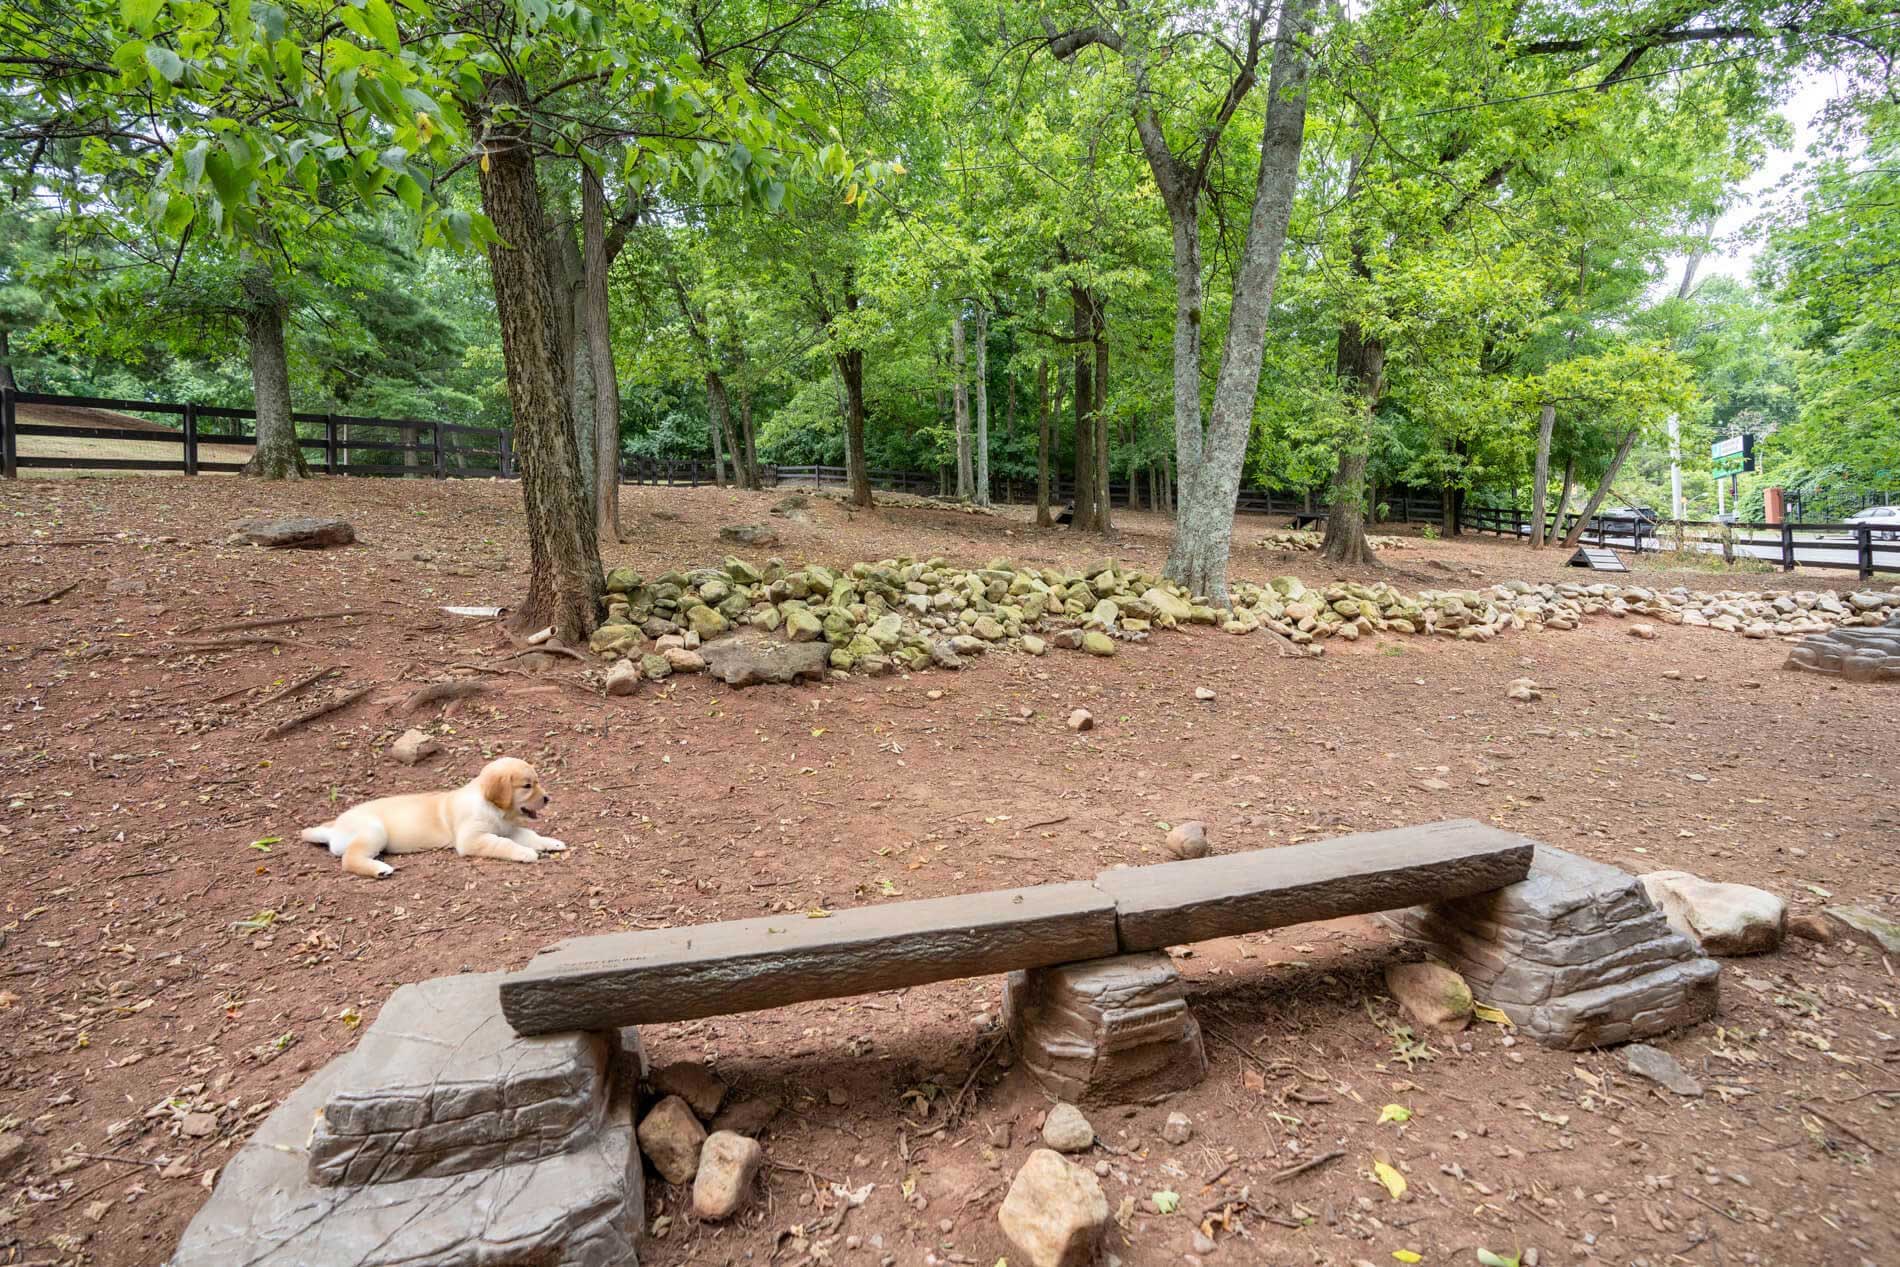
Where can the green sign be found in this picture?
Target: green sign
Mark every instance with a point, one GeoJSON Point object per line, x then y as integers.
{"type": "Point", "coordinates": [1732, 456]}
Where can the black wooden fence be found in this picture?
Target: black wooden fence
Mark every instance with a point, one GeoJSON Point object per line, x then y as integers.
{"type": "Point", "coordinates": [348, 444]}
{"type": "Point", "coordinates": [1860, 548]}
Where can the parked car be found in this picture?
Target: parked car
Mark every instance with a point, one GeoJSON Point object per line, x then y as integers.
{"type": "Point", "coordinates": [1885, 521]}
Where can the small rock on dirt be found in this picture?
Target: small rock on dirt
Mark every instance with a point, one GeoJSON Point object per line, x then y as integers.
{"type": "Point", "coordinates": [692, 1082]}
{"type": "Point", "coordinates": [199, 1125]}
{"type": "Point", "coordinates": [671, 1137]}
{"type": "Point", "coordinates": [301, 533]}
{"type": "Point", "coordinates": [1660, 1067]}
{"type": "Point", "coordinates": [1188, 840]}
{"type": "Point", "coordinates": [623, 678]}
{"type": "Point", "coordinates": [1066, 1130]}
{"type": "Point", "coordinates": [749, 1116]}
{"type": "Point", "coordinates": [1724, 919]}
{"type": "Point", "coordinates": [1203, 694]}
{"type": "Point", "coordinates": [1523, 690]}
{"type": "Point", "coordinates": [750, 534]}
{"type": "Point", "coordinates": [14, 1149]}
{"type": "Point", "coordinates": [728, 1163]}
{"type": "Point", "coordinates": [1813, 928]}
{"type": "Point", "coordinates": [1178, 1129]}
{"type": "Point", "coordinates": [1055, 1214]}
{"type": "Point", "coordinates": [414, 746]}
{"type": "Point", "coordinates": [1097, 643]}
{"type": "Point", "coordinates": [1431, 994]}
{"type": "Point", "coordinates": [1644, 630]}
{"type": "Point", "coordinates": [1866, 927]}
{"type": "Point", "coordinates": [1081, 719]}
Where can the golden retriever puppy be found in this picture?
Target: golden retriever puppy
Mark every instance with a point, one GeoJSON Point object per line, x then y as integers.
{"type": "Point", "coordinates": [482, 819]}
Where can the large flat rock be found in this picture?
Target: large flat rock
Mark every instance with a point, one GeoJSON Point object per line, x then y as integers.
{"type": "Point", "coordinates": [675, 974]}
{"type": "Point", "coordinates": [442, 1085]}
{"type": "Point", "coordinates": [1204, 898]}
{"type": "Point", "coordinates": [580, 1209]}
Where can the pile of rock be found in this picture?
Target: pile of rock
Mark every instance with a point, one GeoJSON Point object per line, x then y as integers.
{"type": "Point", "coordinates": [1306, 539]}
{"type": "Point", "coordinates": [910, 614]}
{"type": "Point", "coordinates": [720, 1166]}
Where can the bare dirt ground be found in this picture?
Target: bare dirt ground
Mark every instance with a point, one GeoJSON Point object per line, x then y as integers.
{"type": "Point", "coordinates": [175, 962]}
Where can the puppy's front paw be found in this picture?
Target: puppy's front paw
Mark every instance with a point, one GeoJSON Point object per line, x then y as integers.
{"type": "Point", "coordinates": [548, 844]}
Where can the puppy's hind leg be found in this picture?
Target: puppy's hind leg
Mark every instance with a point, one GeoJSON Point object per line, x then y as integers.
{"type": "Point", "coordinates": [322, 835]}
{"type": "Point", "coordinates": [359, 852]}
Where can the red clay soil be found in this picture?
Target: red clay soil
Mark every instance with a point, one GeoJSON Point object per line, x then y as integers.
{"type": "Point", "coordinates": [175, 961]}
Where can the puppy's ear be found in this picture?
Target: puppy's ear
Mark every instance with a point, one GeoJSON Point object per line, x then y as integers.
{"type": "Point", "coordinates": [497, 788]}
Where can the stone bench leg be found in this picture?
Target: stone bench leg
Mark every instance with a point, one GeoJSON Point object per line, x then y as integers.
{"type": "Point", "coordinates": [1106, 1031]}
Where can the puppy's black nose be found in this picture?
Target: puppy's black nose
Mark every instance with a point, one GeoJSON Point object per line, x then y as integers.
{"type": "Point", "coordinates": [546, 797]}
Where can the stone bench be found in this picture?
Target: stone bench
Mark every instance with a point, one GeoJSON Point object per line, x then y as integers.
{"type": "Point", "coordinates": [674, 974]}
{"type": "Point", "coordinates": [488, 1120]}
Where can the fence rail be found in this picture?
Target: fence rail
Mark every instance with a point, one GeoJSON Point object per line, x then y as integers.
{"type": "Point", "coordinates": [428, 447]}
{"type": "Point", "coordinates": [1859, 548]}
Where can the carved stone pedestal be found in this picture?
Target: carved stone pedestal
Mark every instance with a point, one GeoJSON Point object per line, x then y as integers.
{"type": "Point", "coordinates": [1106, 1031]}
{"type": "Point", "coordinates": [442, 1140]}
{"type": "Point", "coordinates": [1576, 955]}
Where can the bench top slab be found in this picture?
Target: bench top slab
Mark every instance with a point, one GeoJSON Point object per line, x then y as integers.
{"type": "Point", "coordinates": [1175, 903]}
{"type": "Point", "coordinates": [674, 974]}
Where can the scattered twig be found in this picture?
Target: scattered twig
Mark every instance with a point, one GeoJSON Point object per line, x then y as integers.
{"type": "Point", "coordinates": [1047, 822]}
{"type": "Point", "coordinates": [1730, 1215]}
{"type": "Point", "coordinates": [49, 597]}
{"type": "Point", "coordinates": [180, 648]}
{"type": "Point", "coordinates": [275, 621]}
{"type": "Point", "coordinates": [1311, 1164]}
{"type": "Point", "coordinates": [548, 649]}
{"type": "Point", "coordinates": [951, 1114]}
{"type": "Point", "coordinates": [437, 692]}
{"type": "Point", "coordinates": [1841, 1126]}
{"type": "Point", "coordinates": [299, 685]}
{"type": "Point", "coordinates": [800, 1170]}
{"type": "Point", "coordinates": [124, 1161]}
{"type": "Point", "coordinates": [309, 715]}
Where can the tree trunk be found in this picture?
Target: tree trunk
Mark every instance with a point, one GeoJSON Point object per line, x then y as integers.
{"type": "Point", "coordinates": [277, 455]}
{"type": "Point", "coordinates": [851, 369]}
{"type": "Point", "coordinates": [1043, 421]}
{"type": "Point", "coordinates": [960, 390]}
{"type": "Point", "coordinates": [9, 383]}
{"type": "Point", "coordinates": [1081, 327]}
{"type": "Point", "coordinates": [1360, 365]}
{"type": "Point", "coordinates": [567, 276]}
{"type": "Point", "coordinates": [1540, 477]}
{"type": "Point", "coordinates": [1603, 487]}
{"type": "Point", "coordinates": [1104, 492]}
{"type": "Point", "coordinates": [749, 435]}
{"type": "Point", "coordinates": [1204, 523]}
{"type": "Point", "coordinates": [982, 405]}
{"type": "Point", "coordinates": [719, 412]}
{"type": "Point", "coordinates": [600, 350]}
{"type": "Point", "coordinates": [564, 580]}
{"type": "Point", "coordinates": [1563, 499]}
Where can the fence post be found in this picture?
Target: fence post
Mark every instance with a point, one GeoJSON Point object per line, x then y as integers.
{"type": "Point", "coordinates": [1787, 546]}
{"type": "Point", "coordinates": [435, 440]}
{"type": "Point", "coordinates": [191, 438]}
{"type": "Point", "coordinates": [9, 442]}
{"type": "Point", "coordinates": [505, 458]}
{"type": "Point", "coordinates": [1866, 534]}
{"type": "Point", "coordinates": [329, 444]}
